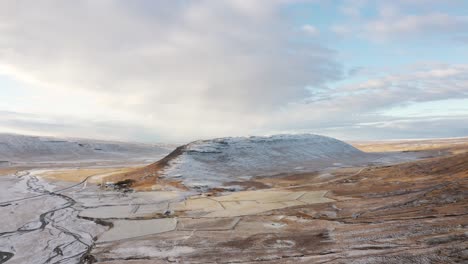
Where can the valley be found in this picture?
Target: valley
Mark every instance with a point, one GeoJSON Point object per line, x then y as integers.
{"type": "Point", "coordinates": [322, 205]}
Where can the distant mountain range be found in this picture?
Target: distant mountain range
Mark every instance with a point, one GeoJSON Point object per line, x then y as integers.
{"type": "Point", "coordinates": [21, 148]}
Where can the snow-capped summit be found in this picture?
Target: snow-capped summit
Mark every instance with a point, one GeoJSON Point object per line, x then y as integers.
{"type": "Point", "coordinates": [212, 162]}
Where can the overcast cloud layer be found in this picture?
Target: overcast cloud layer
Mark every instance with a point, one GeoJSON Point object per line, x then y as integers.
{"type": "Point", "coordinates": [183, 70]}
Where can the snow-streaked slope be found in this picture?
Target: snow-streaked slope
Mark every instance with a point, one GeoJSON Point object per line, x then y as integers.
{"type": "Point", "coordinates": [212, 162]}
{"type": "Point", "coordinates": [20, 148]}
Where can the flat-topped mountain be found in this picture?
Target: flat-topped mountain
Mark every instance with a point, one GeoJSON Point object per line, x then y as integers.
{"type": "Point", "coordinates": [210, 163]}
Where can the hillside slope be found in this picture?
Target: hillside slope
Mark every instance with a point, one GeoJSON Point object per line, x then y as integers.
{"type": "Point", "coordinates": [20, 148]}
{"type": "Point", "coordinates": [210, 163]}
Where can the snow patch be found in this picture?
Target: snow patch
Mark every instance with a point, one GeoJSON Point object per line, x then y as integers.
{"type": "Point", "coordinates": [152, 252]}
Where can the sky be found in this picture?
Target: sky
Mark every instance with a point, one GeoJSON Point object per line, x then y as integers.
{"type": "Point", "coordinates": [181, 70]}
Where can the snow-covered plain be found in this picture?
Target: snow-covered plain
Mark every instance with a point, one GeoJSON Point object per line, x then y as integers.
{"type": "Point", "coordinates": [20, 148]}
{"type": "Point", "coordinates": [211, 162]}
{"type": "Point", "coordinates": [40, 221]}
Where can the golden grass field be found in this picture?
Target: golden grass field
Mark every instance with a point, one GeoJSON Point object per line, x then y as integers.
{"type": "Point", "coordinates": [8, 171]}
{"type": "Point", "coordinates": [453, 145]}
{"type": "Point", "coordinates": [79, 174]}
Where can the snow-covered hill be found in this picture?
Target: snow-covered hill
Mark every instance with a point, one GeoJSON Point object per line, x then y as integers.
{"type": "Point", "coordinates": [212, 162]}
{"type": "Point", "coordinates": [19, 148]}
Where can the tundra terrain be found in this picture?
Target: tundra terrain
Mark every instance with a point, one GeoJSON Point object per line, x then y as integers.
{"type": "Point", "coordinates": [281, 199]}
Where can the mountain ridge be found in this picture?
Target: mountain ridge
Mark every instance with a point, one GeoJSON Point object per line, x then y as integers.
{"type": "Point", "coordinates": [25, 148]}
{"type": "Point", "coordinates": [213, 162]}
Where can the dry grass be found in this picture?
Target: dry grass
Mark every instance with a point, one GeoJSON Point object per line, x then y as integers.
{"type": "Point", "coordinates": [148, 177]}
{"type": "Point", "coordinates": [453, 145]}
{"type": "Point", "coordinates": [8, 171]}
{"type": "Point", "coordinates": [77, 175]}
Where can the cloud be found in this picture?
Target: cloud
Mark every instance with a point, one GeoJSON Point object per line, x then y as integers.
{"type": "Point", "coordinates": [400, 19]}
{"type": "Point", "coordinates": [395, 25]}
{"type": "Point", "coordinates": [427, 127]}
{"type": "Point", "coordinates": [353, 8]}
{"type": "Point", "coordinates": [215, 65]}
{"type": "Point", "coordinates": [342, 30]}
{"type": "Point", "coordinates": [183, 70]}
{"type": "Point", "coordinates": [347, 106]}
{"type": "Point", "coordinates": [419, 83]}
{"type": "Point", "coordinates": [310, 30]}
{"type": "Point", "coordinates": [65, 126]}
{"type": "Point", "coordinates": [463, 39]}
